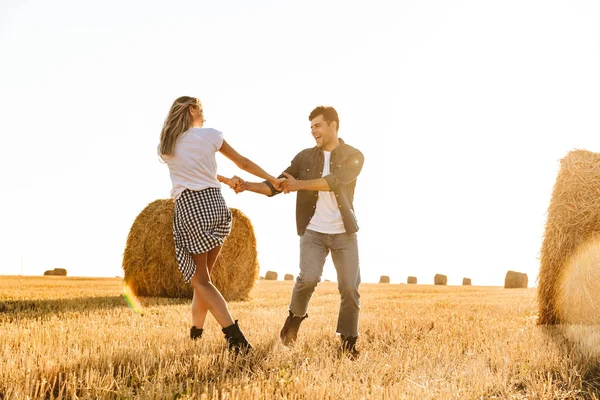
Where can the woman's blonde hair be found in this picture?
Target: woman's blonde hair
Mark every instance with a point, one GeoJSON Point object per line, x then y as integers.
{"type": "Point", "coordinates": [177, 122]}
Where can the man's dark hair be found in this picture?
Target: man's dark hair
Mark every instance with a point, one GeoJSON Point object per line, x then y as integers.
{"type": "Point", "coordinates": [329, 115]}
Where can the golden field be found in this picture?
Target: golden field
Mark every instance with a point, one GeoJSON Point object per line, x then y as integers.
{"type": "Point", "coordinates": [77, 338]}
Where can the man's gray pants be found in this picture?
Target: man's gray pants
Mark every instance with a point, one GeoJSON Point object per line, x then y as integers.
{"type": "Point", "coordinates": [314, 248]}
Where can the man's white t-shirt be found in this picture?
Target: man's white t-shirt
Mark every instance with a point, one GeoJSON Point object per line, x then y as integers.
{"type": "Point", "coordinates": [193, 164]}
{"type": "Point", "coordinates": [327, 218]}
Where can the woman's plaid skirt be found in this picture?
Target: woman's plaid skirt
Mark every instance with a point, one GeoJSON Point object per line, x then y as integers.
{"type": "Point", "coordinates": [201, 222]}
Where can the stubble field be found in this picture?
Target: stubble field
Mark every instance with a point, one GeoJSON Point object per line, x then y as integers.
{"type": "Point", "coordinates": [77, 338]}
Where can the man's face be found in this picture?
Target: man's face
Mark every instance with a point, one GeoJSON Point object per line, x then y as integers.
{"type": "Point", "coordinates": [323, 131]}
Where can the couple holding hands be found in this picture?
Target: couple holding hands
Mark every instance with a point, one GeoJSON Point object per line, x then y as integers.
{"type": "Point", "coordinates": [324, 178]}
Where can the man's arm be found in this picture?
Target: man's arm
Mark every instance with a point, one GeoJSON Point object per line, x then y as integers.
{"type": "Point", "coordinates": [293, 185]}
{"type": "Point", "coordinates": [256, 187]}
{"type": "Point", "coordinates": [348, 171]}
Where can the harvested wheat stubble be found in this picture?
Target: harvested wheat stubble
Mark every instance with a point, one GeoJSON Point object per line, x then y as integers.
{"type": "Point", "coordinates": [440, 279]}
{"type": "Point", "coordinates": [149, 260]}
{"type": "Point", "coordinates": [384, 279]}
{"type": "Point", "coordinates": [412, 280]}
{"type": "Point", "coordinates": [569, 278]}
{"type": "Point", "coordinates": [515, 280]}
{"type": "Point", "coordinates": [466, 281]}
{"type": "Point", "coordinates": [288, 277]}
{"type": "Point", "coordinates": [271, 276]}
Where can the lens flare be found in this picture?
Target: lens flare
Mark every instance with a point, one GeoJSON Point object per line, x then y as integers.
{"type": "Point", "coordinates": [131, 300]}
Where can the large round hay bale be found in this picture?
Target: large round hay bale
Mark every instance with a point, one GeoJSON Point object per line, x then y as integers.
{"type": "Point", "coordinates": [384, 279]}
{"type": "Point", "coordinates": [569, 278]}
{"type": "Point", "coordinates": [60, 272]}
{"type": "Point", "coordinates": [515, 280]}
{"type": "Point", "coordinates": [149, 260]}
{"type": "Point", "coordinates": [466, 281]}
{"type": "Point", "coordinates": [440, 279]}
{"type": "Point", "coordinates": [49, 272]}
{"type": "Point", "coordinates": [271, 276]}
{"type": "Point", "coordinates": [412, 280]}
{"type": "Point", "coordinates": [288, 277]}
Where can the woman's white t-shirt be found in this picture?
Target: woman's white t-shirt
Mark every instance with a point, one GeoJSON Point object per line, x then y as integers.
{"type": "Point", "coordinates": [193, 164]}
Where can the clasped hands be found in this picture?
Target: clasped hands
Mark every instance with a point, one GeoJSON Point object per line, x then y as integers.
{"type": "Point", "coordinates": [285, 185]}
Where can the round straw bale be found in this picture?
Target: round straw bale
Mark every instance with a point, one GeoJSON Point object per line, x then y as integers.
{"type": "Point", "coordinates": [515, 280]}
{"type": "Point", "coordinates": [288, 277]}
{"type": "Point", "coordinates": [578, 293]}
{"type": "Point", "coordinates": [384, 279]}
{"type": "Point", "coordinates": [466, 281]}
{"type": "Point", "coordinates": [49, 272]}
{"type": "Point", "coordinates": [60, 271]}
{"type": "Point", "coordinates": [440, 279]}
{"type": "Point", "coordinates": [412, 279]}
{"type": "Point", "coordinates": [271, 276]}
{"type": "Point", "coordinates": [569, 278]}
{"type": "Point", "coordinates": [150, 267]}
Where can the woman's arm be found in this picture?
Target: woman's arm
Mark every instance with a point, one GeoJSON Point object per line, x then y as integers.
{"type": "Point", "coordinates": [247, 165]}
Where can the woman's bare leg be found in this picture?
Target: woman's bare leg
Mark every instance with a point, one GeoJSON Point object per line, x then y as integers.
{"type": "Point", "coordinates": [199, 307]}
{"type": "Point", "coordinates": [209, 295]}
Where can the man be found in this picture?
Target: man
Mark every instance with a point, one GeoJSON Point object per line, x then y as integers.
{"type": "Point", "coordinates": [325, 178]}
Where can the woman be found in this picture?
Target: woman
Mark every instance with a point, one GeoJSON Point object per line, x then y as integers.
{"type": "Point", "coordinates": [202, 220]}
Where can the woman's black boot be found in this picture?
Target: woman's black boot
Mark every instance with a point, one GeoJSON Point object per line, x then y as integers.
{"type": "Point", "coordinates": [195, 333]}
{"type": "Point", "coordinates": [235, 339]}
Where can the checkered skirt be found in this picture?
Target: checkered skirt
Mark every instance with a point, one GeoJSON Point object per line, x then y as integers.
{"type": "Point", "coordinates": [201, 222]}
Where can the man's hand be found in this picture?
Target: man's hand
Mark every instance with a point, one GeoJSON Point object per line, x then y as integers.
{"type": "Point", "coordinates": [240, 185]}
{"type": "Point", "coordinates": [278, 183]}
{"type": "Point", "coordinates": [290, 184]}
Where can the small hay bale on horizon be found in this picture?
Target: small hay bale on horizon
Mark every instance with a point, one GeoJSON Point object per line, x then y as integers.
{"type": "Point", "coordinates": [150, 267]}
{"type": "Point", "coordinates": [49, 272]}
{"type": "Point", "coordinates": [271, 276]}
{"type": "Point", "coordinates": [411, 280]}
{"type": "Point", "coordinates": [440, 279]}
{"type": "Point", "coordinates": [60, 272]}
{"type": "Point", "coordinates": [515, 280]}
{"type": "Point", "coordinates": [384, 279]}
{"type": "Point", "coordinates": [569, 278]}
{"type": "Point", "coordinates": [288, 277]}
{"type": "Point", "coordinates": [466, 281]}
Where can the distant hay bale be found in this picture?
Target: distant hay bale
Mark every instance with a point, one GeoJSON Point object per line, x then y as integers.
{"type": "Point", "coordinates": [271, 276]}
{"type": "Point", "coordinates": [150, 267]}
{"type": "Point", "coordinates": [384, 279]}
{"type": "Point", "coordinates": [56, 272]}
{"type": "Point", "coordinates": [288, 277]}
{"type": "Point", "coordinates": [515, 280]}
{"type": "Point", "coordinates": [569, 279]}
{"type": "Point", "coordinates": [466, 281]}
{"type": "Point", "coordinates": [412, 280]}
{"type": "Point", "coordinates": [440, 279]}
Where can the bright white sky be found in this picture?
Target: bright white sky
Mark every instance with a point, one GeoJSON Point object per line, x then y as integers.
{"type": "Point", "coordinates": [462, 109]}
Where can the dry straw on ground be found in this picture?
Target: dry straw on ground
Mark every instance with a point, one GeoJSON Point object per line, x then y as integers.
{"type": "Point", "coordinates": [466, 281]}
{"type": "Point", "coordinates": [569, 279]}
{"type": "Point", "coordinates": [384, 279]}
{"type": "Point", "coordinates": [271, 276]}
{"type": "Point", "coordinates": [288, 277]}
{"type": "Point", "coordinates": [515, 280]}
{"type": "Point", "coordinates": [412, 279]}
{"type": "Point", "coordinates": [440, 279]}
{"type": "Point", "coordinates": [149, 260]}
